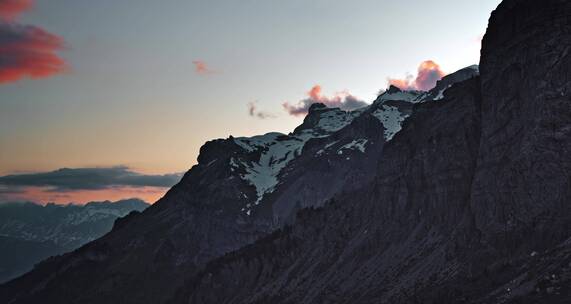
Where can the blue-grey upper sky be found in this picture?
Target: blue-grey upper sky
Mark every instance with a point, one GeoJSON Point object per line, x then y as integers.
{"type": "Point", "coordinates": [147, 82]}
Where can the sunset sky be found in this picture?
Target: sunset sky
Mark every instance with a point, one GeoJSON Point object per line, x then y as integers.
{"type": "Point", "coordinates": [129, 90]}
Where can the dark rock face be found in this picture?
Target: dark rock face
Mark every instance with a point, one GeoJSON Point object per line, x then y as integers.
{"type": "Point", "coordinates": [376, 244]}
{"type": "Point", "coordinates": [473, 210]}
{"type": "Point", "coordinates": [522, 189]}
{"type": "Point", "coordinates": [468, 203]}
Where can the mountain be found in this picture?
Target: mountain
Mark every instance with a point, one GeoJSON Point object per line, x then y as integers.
{"type": "Point", "coordinates": [457, 195]}
{"type": "Point", "coordinates": [30, 232]}
{"type": "Point", "coordinates": [241, 189]}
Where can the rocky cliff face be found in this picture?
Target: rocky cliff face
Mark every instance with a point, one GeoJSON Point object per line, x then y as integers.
{"type": "Point", "coordinates": [474, 210]}
{"type": "Point", "coordinates": [522, 187]}
{"type": "Point", "coordinates": [376, 244]}
{"type": "Point", "coordinates": [421, 197]}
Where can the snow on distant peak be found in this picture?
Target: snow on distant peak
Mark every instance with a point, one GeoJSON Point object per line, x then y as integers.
{"type": "Point", "coordinates": [251, 144]}
{"type": "Point", "coordinates": [322, 121]}
{"type": "Point", "coordinates": [391, 118]}
{"type": "Point", "coordinates": [335, 120]}
{"type": "Point", "coordinates": [396, 94]}
{"type": "Point", "coordinates": [276, 151]}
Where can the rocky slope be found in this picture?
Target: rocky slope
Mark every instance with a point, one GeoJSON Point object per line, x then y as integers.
{"type": "Point", "coordinates": [421, 197]}
{"type": "Point", "coordinates": [30, 232]}
{"type": "Point", "coordinates": [470, 203]}
{"type": "Point", "coordinates": [241, 189]}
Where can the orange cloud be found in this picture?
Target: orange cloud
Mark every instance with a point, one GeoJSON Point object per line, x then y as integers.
{"type": "Point", "coordinates": [315, 92]}
{"type": "Point", "coordinates": [429, 72]}
{"type": "Point", "coordinates": [201, 68]}
{"type": "Point", "coordinates": [10, 9]}
{"type": "Point", "coordinates": [28, 51]}
{"type": "Point", "coordinates": [343, 100]}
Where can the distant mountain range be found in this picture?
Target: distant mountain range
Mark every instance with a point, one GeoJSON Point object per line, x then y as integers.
{"type": "Point", "coordinates": [457, 195]}
{"type": "Point", "coordinates": [31, 232]}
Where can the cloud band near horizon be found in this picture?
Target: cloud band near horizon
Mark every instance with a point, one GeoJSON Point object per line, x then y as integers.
{"type": "Point", "coordinates": [67, 179]}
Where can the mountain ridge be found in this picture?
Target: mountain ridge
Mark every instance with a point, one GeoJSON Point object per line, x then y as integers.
{"type": "Point", "coordinates": [214, 205]}
{"type": "Point", "coordinates": [31, 232]}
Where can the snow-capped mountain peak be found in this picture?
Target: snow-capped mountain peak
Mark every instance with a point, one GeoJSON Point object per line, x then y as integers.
{"type": "Point", "coordinates": [394, 93]}
{"type": "Point", "coordinates": [263, 158]}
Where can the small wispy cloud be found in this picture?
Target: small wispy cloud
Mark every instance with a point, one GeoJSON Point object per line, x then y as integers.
{"type": "Point", "coordinates": [429, 72]}
{"type": "Point", "coordinates": [343, 100]}
{"type": "Point", "coordinates": [201, 68]}
{"type": "Point", "coordinates": [254, 112]}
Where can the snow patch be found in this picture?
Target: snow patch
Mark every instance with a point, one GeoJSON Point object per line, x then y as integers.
{"type": "Point", "coordinates": [358, 144]}
{"type": "Point", "coordinates": [275, 154]}
{"type": "Point", "coordinates": [391, 118]}
{"type": "Point", "coordinates": [336, 119]}
{"type": "Point", "coordinates": [408, 96]}
{"type": "Point", "coordinates": [440, 95]}
{"type": "Point", "coordinates": [252, 144]}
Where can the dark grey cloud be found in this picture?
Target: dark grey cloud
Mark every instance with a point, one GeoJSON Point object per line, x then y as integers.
{"type": "Point", "coordinates": [344, 101]}
{"type": "Point", "coordinates": [67, 179]}
{"type": "Point", "coordinates": [254, 112]}
{"type": "Point", "coordinates": [9, 190]}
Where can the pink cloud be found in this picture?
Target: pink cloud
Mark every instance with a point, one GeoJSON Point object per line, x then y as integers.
{"type": "Point", "coordinates": [201, 68]}
{"type": "Point", "coordinates": [11, 9]}
{"type": "Point", "coordinates": [429, 72]}
{"type": "Point", "coordinates": [343, 100]}
{"type": "Point", "coordinates": [28, 51]}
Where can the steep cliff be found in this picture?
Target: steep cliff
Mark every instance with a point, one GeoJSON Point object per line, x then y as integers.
{"type": "Point", "coordinates": [468, 210]}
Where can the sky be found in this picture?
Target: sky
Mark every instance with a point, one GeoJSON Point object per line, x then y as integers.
{"type": "Point", "coordinates": [135, 87]}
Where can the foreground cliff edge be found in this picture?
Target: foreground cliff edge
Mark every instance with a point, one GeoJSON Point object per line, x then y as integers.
{"type": "Point", "coordinates": [459, 195]}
